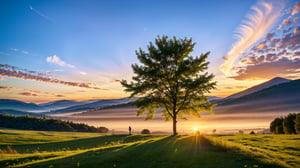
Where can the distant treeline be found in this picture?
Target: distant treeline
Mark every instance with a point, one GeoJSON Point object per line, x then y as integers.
{"type": "Point", "coordinates": [43, 124]}
{"type": "Point", "coordinates": [289, 124]}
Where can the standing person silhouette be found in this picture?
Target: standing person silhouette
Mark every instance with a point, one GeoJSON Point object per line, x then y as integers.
{"type": "Point", "coordinates": [129, 129]}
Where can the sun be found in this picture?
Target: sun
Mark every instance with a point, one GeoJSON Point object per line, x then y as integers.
{"type": "Point", "coordinates": [196, 129]}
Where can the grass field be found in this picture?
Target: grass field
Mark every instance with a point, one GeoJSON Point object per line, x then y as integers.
{"type": "Point", "coordinates": [67, 150]}
{"type": "Point", "coordinates": [283, 149]}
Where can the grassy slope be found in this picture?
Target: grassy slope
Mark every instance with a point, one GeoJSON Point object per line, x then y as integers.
{"type": "Point", "coordinates": [119, 151]}
{"type": "Point", "coordinates": [19, 137]}
{"type": "Point", "coordinates": [283, 149]}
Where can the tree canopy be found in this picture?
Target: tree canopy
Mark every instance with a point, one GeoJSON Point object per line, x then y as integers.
{"type": "Point", "coordinates": [168, 77]}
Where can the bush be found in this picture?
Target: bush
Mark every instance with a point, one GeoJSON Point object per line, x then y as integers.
{"type": "Point", "coordinates": [276, 126]}
{"type": "Point", "coordinates": [145, 131]}
{"type": "Point", "coordinates": [289, 124]}
{"type": "Point", "coordinates": [103, 129]}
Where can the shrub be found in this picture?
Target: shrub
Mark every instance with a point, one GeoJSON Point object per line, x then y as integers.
{"type": "Point", "coordinates": [103, 129]}
{"type": "Point", "coordinates": [297, 123]}
{"type": "Point", "coordinates": [276, 126]}
{"type": "Point", "coordinates": [145, 131]}
{"type": "Point", "coordinates": [289, 124]}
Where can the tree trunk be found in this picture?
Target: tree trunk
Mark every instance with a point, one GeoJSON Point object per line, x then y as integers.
{"type": "Point", "coordinates": [174, 125]}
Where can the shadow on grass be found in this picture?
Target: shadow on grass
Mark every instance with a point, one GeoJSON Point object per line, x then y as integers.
{"type": "Point", "coordinates": [164, 152]}
{"type": "Point", "coordinates": [86, 143]}
{"type": "Point", "coordinates": [12, 162]}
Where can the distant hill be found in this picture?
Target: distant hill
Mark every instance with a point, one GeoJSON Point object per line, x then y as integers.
{"type": "Point", "coordinates": [213, 98]}
{"type": "Point", "coordinates": [280, 97]}
{"type": "Point", "coordinates": [61, 104]}
{"type": "Point", "coordinates": [272, 82]}
{"type": "Point", "coordinates": [94, 105]}
{"type": "Point", "coordinates": [19, 105]}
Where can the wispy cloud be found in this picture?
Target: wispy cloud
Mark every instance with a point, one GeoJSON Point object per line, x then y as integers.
{"type": "Point", "coordinates": [115, 81]}
{"type": "Point", "coordinates": [25, 52]}
{"type": "Point", "coordinates": [56, 60]}
{"type": "Point", "coordinates": [14, 49]}
{"type": "Point", "coordinates": [15, 72]}
{"type": "Point", "coordinates": [40, 13]}
{"type": "Point", "coordinates": [20, 51]}
{"type": "Point", "coordinates": [296, 8]}
{"type": "Point", "coordinates": [279, 56]}
{"type": "Point", "coordinates": [27, 94]}
{"type": "Point", "coordinates": [82, 73]}
{"type": "Point", "coordinates": [263, 16]}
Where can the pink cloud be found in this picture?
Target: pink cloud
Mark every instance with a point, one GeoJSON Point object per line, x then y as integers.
{"type": "Point", "coordinates": [14, 72]}
{"type": "Point", "coordinates": [27, 94]}
{"type": "Point", "coordinates": [296, 8]}
{"type": "Point", "coordinates": [266, 70]}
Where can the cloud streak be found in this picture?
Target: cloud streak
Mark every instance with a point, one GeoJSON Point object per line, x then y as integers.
{"type": "Point", "coordinates": [40, 13]}
{"type": "Point", "coordinates": [264, 15]}
{"type": "Point", "coordinates": [32, 92]}
{"type": "Point", "coordinates": [56, 60]}
{"type": "Point", "coordinates": [27, 94]}
{"type": "Point", "coordinates": [14, 72]}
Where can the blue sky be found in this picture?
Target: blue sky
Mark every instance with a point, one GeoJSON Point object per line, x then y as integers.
{"type": "Point", "coordinates": [92, 43]}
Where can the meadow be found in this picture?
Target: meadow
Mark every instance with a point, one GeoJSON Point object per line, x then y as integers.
{"type": "Point", "coordinates": [61, 149]}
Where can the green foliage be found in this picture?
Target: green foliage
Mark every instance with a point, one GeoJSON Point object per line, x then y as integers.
{"type": "Point", "coordinates": [33, 123]}
{"type": "Point", "coordinates": [169, 78]}
{"type": "Point", "coordinates": [145, 131]}
{"type": "Point", "coordinates": [297, 123]}
{"type": "Point", "coordinates": [289, 124]}
{"type": "Point", "coordinates": [276, 126]}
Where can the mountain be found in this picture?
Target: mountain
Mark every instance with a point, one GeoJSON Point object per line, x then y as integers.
{"type": "Point", "coordinates": [61, 104]}
{"type": "Point", "coordinates": [213, 98]}
{"type": "Point", "coordinates": [94, 105]}
{"type": "Point", "coordinates": [20, 106]}
{"type": "Point", "coordinates": [272, 82]}
{"type": "Point", "coordinates": [20, 113]}
{"type": "Point", "coordinates": [280, 97]}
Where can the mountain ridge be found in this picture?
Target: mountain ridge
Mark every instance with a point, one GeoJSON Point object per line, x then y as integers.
{"type": "Point", "coordinates": [253, 89]}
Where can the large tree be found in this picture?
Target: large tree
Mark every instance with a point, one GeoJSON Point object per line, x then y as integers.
{"type": "Point", "coordinates": [169, 78]}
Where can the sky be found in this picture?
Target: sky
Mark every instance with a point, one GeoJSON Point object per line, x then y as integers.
{"type": "Point", "coordinates": [80, 50]}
